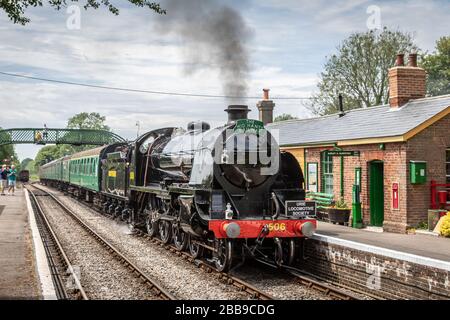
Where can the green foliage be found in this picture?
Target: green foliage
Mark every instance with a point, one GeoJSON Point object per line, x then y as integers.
{"type": "Point", "coordinates": [15, 9]}
{"type": "Point", "coordinates": [284, 117]}
{"type": "Point", "coordinates": [84, 120]}
{"type": "Point", "coordinates": [423, 225]}
{"type": "Point", "coordinates": [341, 204]}
{"type": "Point", "coordinates": [31, 166]}
{"type": "Point", "coordinates": [6, 152]}
{"type": "Point", "coordinates": [50, 153]}
{"type": "Point", "coordinates": [437, 66]}
{"type": "Point", "coordinates": [359, 71]}
{"type": "Point", "coordinates": [25, 163]}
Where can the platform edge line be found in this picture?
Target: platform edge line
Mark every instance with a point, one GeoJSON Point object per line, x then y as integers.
{"type": "Point", "coordinates": [42, 268]}
{"type": "Point", "coordinates": [398, 255]}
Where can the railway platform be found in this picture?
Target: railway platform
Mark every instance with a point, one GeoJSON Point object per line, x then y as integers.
{"type": "Point", "coordinates": [384, 265]}
{"type": "Point", "coordinates": [19, 276]}
{"type": "Point", "coordinates": [420, 245]}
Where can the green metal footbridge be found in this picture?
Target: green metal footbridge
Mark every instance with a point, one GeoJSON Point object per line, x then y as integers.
{"type": "Point", "coordinates": [45, 136]}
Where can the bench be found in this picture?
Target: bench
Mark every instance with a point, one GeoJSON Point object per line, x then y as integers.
{"type": "Point", "coordinates": [323, 201]}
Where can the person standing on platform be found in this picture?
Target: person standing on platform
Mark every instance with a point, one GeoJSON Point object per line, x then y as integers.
{"type": "Point", "coordinates": [12, 176]}
{"type": "Point", "coordinates": [4, 178]}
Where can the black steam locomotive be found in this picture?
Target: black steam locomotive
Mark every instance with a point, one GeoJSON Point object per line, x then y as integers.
{"type": "Point", "coordinates": [221, 193]}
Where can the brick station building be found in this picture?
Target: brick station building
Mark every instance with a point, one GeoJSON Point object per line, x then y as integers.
{"type": "Point", "coordinates": [386, 144]}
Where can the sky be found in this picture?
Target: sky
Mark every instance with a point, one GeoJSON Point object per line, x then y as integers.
{"type": "Point", "coordinates": [288, 45]}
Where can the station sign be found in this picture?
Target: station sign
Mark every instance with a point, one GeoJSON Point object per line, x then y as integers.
{"type": "Point", "coordinates": [343, 153]}
{"type": "Point", "coordinates": [300, 208]}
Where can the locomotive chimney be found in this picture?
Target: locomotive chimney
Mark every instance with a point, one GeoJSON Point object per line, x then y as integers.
{"type": "Point", "coordinates": [237, 112]}
{"type": "Point", "coordinates": [265, 108]}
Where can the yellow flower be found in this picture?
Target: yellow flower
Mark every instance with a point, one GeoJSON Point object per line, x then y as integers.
{"type": "Point", "coordinates": [445, 227]}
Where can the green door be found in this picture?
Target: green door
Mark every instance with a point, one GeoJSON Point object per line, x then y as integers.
{"type": "Point", "coordinates": [376, 193]}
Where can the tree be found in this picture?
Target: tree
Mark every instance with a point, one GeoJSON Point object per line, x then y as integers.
{"type": "Point", "coordinates": [46, 155]}
{"type": "Point", "coordinates": [8, 152]}
{"type": "Point", "coordinates": [85, 120]}
{"type": "Point", "coordinates": [50, 153]}
{"type": "Point", "coordinates": [25, 162]}
{"type": "Point", "coordinates": [15, 9]}
{"type": "Point", "coordinates": [437, 66]}
{"type": "Point", "coordinates": [284, 117]}
{"type": "Point", "coordinates": [359, 71]}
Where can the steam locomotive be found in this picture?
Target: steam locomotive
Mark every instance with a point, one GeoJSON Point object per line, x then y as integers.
{"type": "Point", "coordinates": [223, 193]}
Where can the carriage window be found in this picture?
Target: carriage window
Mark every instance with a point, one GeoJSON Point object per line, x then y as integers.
{"type": "Point", "coordinates": [326, 173]}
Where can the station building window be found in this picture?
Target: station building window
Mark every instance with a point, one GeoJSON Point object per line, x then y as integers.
{"type": "Point", "coordinates": [447, 165]}
{"type": "Point", "coordinates": [326, 173]}
{"type": "Point", "coordinates": [312, 176]}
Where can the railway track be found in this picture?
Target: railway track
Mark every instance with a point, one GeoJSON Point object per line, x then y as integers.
{"type": "Point", "coordinates": [239, 284]}
{"type": "Point", "coordinates": [303, 278]}
{"type": "Point", "coordinates": [58, 261]}
{"type": "Point", "coordinates": [153, 285]}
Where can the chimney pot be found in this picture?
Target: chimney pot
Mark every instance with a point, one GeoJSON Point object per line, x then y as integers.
{"type": "Point", "coordinates": [406, 84]}
{"type": "Point", "coordinates": [341, 106]}
{"type": "Point", "coordinates": [400, 62]}
{"type": "Point", "coordinates": [265, 108]}
{"type": "Point", "coordinates": [412, 60]}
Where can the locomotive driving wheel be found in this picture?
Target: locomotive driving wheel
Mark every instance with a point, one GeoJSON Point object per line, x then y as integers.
{"type": "Point", "coordinates": [224, 254]}
{"type": "Point", "coordinates": [152, 226]}
{"type": "Point", "coordinates": [180, 238]}
{"type": "Point", "coordinates": [165, 231]}
{"type": "Point", "coordinates": [284, 251]}
{"type": "Point", "coordinates": [195, 249]}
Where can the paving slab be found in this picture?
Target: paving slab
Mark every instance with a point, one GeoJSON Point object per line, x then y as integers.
{"type": "Point", "coordinates": [18, 278]}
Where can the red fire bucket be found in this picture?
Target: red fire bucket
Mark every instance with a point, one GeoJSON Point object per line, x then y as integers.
{"type": "Point", "coordinates": [442, 195]}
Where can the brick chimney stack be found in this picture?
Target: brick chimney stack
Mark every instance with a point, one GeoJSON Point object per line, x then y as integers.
{"type": "Point", "coordinates": [406, 82]}
{"type": "Point", "coordinates": [265, 108]}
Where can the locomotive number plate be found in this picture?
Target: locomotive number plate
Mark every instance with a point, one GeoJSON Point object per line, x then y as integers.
{"type": "Point", "coordinates": [300, 208]}
{"type": "Point", "coordinates": [277, 227]}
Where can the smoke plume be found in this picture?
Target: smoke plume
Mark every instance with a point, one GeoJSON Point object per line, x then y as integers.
{"type": "Point", "coordinates": [214, 36]}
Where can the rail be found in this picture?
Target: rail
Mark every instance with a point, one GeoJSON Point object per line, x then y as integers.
{"type": "Point", "coordinates": [153, 284]}
{"type": "Point", "coordinates": [50, 240]}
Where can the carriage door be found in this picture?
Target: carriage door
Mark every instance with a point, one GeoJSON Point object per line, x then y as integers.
{"type": "Point", "coordinates": [376, 193]}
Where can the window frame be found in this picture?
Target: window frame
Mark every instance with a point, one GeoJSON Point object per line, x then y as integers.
{"type": "Point", "coordinates": [326, 171]}
{"type": "Point", "coordinates": [316, 176]}
{"type": "Point", "coordinates": [447, 173]}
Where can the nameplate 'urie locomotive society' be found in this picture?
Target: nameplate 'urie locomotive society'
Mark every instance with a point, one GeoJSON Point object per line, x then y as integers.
{"type": "Point", "coordinates": [300, 208]}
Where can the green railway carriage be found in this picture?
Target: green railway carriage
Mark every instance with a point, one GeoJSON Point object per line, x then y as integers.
{"type": "Point", "coordinates": [52, 170]}
{"type": "Point", "coordinates": [84, 169]}
{"type": "Point", "coordinates": [65, 169]}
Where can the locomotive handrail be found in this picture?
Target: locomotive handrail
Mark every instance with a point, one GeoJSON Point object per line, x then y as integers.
{"type": "Point", "coordinates": [45, 136]}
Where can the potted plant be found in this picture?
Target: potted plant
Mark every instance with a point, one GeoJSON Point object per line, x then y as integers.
{"type": "Point", "coordinates": [339, 212]}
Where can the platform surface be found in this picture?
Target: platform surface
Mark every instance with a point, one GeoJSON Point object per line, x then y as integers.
{"type": "Point", "coordinates": [18, 278]}
{"type": "Point", "coordinates": [422, 245]}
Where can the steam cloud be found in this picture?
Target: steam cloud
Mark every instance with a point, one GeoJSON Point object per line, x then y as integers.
{"type": "Point", "coordinates": [214, 35]}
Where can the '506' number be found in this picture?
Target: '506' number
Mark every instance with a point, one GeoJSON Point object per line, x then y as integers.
{"type": "Point", "coordinates": [277, 227]}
